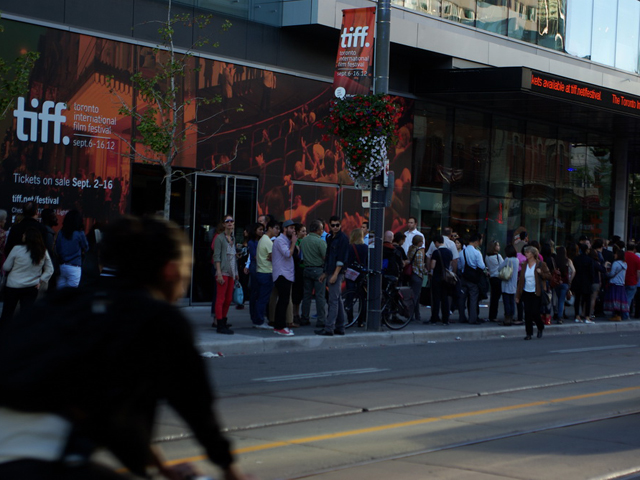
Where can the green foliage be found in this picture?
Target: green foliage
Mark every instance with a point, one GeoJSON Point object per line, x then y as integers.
{"type": "Point", "coordinates": [159, 110]}
{"type": "Point", "coordinates": [14, 79]}
{"type": "Point", "coordinates": [159, 104]}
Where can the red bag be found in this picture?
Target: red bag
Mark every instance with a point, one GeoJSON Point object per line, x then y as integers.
{"type": "Point", "coordinates": [407, 270]}
{"type": "Point", "coordinates": [556, 277]}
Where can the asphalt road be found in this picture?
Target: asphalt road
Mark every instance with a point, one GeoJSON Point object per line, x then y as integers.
{"type": "Point", "coordinates": [557, 407]}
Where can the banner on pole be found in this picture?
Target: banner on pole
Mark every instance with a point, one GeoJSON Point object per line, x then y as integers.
{"type": "Point", "coordinates": [354, 65]}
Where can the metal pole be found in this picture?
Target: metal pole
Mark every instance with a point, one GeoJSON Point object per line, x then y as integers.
{"type": "Point", "coordinates": [378, 194]}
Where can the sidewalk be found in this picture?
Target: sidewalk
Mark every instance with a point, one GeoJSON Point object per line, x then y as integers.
{"type": "Point", "coordinates": [248, 340]}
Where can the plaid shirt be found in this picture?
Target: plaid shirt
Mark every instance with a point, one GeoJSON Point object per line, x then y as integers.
{"type": "Point", "coordinates": [417, 262]}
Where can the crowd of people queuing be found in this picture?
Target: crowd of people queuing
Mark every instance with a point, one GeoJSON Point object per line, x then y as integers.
{"type": "Point", "coordinates": [34, 258]}
{"type": "Point", "coordinates": [535, 280]}
{"type": "Point", "coordinates": [282, 267]}
{"type": "Point", "coordinates": [288, 267]}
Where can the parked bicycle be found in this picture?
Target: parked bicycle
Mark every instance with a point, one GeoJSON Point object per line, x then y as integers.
{"type": "Point", "coordinates": [397, 302]}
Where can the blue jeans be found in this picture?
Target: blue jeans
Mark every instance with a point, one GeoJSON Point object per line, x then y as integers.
{"type": "Point", "coordinates": [265, 286]}
{"type": "Point", "coordinates": [631, 292]}
{"type": "Point", "coordinates": [561, 294]}
{"type": "Point", "coordinates": [509, 300]}
{"type": "Point", "coordinates": [471, 292]}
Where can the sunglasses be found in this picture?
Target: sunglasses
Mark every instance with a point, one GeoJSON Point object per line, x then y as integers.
{"type": "Point", "coordinates": [334, 225]}
{"type": "Point", "coordinates": [229, 220]}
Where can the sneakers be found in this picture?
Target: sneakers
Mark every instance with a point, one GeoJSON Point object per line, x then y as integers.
{"type": "Point", "coordinates": [263, 326]}
{"type": "Point", "coordinates": [284, 331]}
{"type": "Point", "coordinates": [587, 320]}
{"type": "Point", "coordinates": [578, 320]}
{"type": "Point", "coordinates": [615, 318]}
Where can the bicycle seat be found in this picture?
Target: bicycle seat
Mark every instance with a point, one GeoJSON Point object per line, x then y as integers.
{"type": "Point", "coordinates": [391, 278]}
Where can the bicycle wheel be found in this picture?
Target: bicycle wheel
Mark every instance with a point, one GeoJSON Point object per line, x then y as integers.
{"type": "Point", "coordinates": [393, 315]}
{"type": "Point", "coordinates": [354, 307]}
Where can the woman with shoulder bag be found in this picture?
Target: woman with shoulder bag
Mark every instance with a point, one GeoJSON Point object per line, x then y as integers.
{"type": "Point", "coordinates": [616, 299]}
{"type": "Point", "coordinates": [562, 263]}
{"type": "Point", "coordinates": [357, 257]}
{"type": "Point", "coordinates": [418, 269]}
{"type": "Point", "coordinates": [532, 284]}
{"type": "Point", "coordinates": [492, 260]}
{"type": "Point", "coordinates": [508, 287]}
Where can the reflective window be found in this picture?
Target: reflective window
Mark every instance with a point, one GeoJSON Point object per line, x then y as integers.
{"type": "Point", "coordinates": [429, 209]}
{"type": "Point", "coordinates": [523, 20]}
{"type": "Point", "coordinates": [461, 11]}
{"type": "Point", "coordinates": [433, 134]}
{"type": "Point", "coordinates": [468, 214]}
{"type": "Point", "coordinates": [551, 24]}
{"type": "Point", "coordinates": [432, 7]}
{"type": "Point", "coordinates": [492, 16]}
{"type": "Point", "coordinates": [507, 157]}
{"type": "Point", "coordinates": [540, 162]}
{"type": "Point", "coordinates": [470, 152]}
{"type": "Point", "coordinates": [604, 32]}
{"type": "Point", "coordinates": [627, 35]}
{"type": "Point", "coordinates": [579, 17]}
{"type": "Point", "coordinates": [498, 219]}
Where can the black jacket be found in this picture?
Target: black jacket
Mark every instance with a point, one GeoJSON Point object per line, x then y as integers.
{"type": "Point", "coordinates": [103, 357]}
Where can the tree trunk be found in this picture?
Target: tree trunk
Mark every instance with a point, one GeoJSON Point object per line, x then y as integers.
{"type": "Point", "coordinates": [167, 189]}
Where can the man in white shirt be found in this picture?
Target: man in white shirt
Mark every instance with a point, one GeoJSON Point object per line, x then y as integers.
{"type": "Point", "coordinates": [450, 244]}
{"type": "Point", "coordinates": [470, 258]}
{"type": "Point", "coordinates": [412, 223]}
{"type": "Point", "coordinates": [365, 232]}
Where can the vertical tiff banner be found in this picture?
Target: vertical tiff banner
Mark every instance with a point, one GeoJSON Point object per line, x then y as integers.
{"type": "Point", "coordinates": [354, 65]}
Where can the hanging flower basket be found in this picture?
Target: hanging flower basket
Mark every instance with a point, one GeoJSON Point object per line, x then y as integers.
{"type": "Point", "coordinates": [366, 126]}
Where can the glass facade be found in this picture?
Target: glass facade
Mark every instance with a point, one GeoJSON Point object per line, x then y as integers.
{"type": "Point", "coordinates": [492, 174]}
{"type": "Point", "coordinates": [605, 31]}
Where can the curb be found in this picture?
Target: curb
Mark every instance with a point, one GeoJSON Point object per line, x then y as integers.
{"type": "Point", "coordinates": [258, 345]}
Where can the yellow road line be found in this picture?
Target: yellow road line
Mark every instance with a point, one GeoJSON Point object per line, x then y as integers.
{"type": "Point", "coordinates": [422, 421]}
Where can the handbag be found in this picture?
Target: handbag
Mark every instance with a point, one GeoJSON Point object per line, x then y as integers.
{"type": "Point", "coordinates": [556, 276]}
{"type": "Point", "coordinates": [355, 269]}
{"type": "Point", "coordinates": [448, 276]}
{"type": "Point", "coordinates": [470, 274]}
{"type": "Point", "coordinates": [407, 270]}
{"type": "Point", "coordinates": [238, 294]}
{"type": "Point", "coordinates": [351, 274]}
{"type": "Point", "coordinates": [506, 272]}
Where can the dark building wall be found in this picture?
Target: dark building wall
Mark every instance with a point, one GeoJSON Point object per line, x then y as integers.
{"type": "Point", "coordinates": [309, 49]}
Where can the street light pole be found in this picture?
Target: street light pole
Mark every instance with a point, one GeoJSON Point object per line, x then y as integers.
{"type": "Point", "coordinates": [378, 191]}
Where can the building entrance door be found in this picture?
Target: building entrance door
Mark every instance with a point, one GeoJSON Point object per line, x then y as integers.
{"type": "Point", "coordinates": [214, 197]}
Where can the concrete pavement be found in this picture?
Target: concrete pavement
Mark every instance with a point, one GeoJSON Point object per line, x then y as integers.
{"type": "Point", "coordinates": [248, 340]}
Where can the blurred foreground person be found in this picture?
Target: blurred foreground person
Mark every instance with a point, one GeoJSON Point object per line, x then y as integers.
{"type": "Point", "coordinates": [85, 368]}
